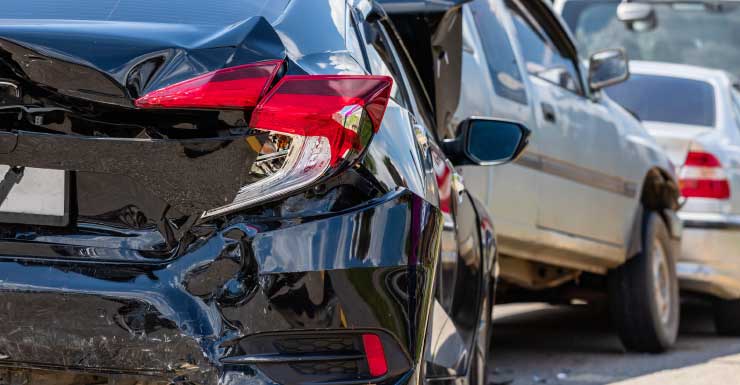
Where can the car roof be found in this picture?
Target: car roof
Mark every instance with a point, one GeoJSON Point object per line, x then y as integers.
{"type": "Point", "coordinates": [679, 71]}
{"type": "Point", "coordinates": [652, 1]}
{"type": "Point", "coordinates": [558, 4]}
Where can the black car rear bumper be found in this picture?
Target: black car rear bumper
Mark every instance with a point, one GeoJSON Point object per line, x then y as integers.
{"type": "Point", "coordinates": [237, 292]}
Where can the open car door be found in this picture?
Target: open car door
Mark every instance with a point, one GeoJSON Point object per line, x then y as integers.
{"type": "Point", "coordinates": [432, 33]}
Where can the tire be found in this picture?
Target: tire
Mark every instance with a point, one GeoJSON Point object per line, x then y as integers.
{"type": "Point", "coordinates": [643, 293]}
{"type": "Point", "coordinates": [727, 317]}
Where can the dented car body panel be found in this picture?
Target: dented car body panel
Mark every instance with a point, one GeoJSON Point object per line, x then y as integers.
{"type": "Point", "coordinates": [184, 317]}
{"type": "Point", "coordinates": [137, 285]}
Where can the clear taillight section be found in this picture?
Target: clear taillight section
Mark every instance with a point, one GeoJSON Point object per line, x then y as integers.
{"type": "Point", "coordinates": [313, 123]}
{"type": "Point", "coordinates": [272, 156]}
{"type": "Point", "coordinates": [346, 110]}
{"type": "Point", "coordinates": [702, 176]}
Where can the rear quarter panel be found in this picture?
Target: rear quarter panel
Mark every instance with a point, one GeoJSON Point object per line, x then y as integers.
{"type": "Point", "coordinates": [639, 153]}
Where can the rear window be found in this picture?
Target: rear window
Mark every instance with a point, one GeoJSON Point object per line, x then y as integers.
{"type": "Point", "coordinates": [222, 12]}
{"type": "Point", "coordinates": [667, 99]}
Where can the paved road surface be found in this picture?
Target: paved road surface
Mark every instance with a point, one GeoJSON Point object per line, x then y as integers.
{"type": "Point", "coordinates": [541, 344]}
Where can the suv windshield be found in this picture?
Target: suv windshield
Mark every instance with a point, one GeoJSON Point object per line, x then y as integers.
{"type": "Point", "coordinates": [687, 33]}
{"type": "Point", "coordinates": [172, 11]}
{"type": "Point", "coordinates": [652, 98]}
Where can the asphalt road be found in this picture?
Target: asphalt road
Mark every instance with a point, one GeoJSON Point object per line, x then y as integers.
{"type": "Point", "coordinates": [573, 345]}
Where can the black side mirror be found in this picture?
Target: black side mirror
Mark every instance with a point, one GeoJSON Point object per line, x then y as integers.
{"type": "Point", "coordinates": [486, 142]}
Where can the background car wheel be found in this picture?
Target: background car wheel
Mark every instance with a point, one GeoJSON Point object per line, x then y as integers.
{"type": "Point", "coordinates": [727, 317]}
{"type": "Point", "coordinates": [643, 293]}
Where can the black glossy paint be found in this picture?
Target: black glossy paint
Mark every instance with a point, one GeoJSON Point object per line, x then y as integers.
{"type": "Point", "coordinates": [138, 286]}
{"type": "Point", "coordinates": [179, 318]}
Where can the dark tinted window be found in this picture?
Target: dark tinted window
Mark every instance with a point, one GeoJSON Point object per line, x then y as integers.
{"type": "Point", "coordinates": [667, 99]}
{"type": "Point", "coordinates": [222, 12]}
{"type": "Point", "coordinates": [543, 59]}
{"type": "Point", "coordinates": [416, 88]}
{"type": "Point", "coordinates": [507, 80]}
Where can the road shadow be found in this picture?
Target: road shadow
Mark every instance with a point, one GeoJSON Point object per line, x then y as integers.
{"type": "Point", "coordinates": [541, 344]}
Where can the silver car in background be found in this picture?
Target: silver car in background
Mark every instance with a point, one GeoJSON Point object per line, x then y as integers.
{"type": "Point", "coordinates": [694, 113]}
{"type": "Point", "coordinates": [587, 213]}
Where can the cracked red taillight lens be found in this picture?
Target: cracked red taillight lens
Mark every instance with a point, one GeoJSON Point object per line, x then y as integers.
{"type": "Point", "coordinates": [315, 123]}
{"type": "Point", "coordinates": [229, 88]}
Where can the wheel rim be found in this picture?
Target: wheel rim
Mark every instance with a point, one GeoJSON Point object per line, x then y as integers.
{"type": "Point", "coordinates": [661, 282]}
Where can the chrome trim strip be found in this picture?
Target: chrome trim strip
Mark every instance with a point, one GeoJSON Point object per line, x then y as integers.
{"type": "Point", "coordinates": [578, 174]}
{"type": "Point", "coordinates": [287, 358]}
{"type": "Point", "coordinates": [13, 86]}
{"type": "Point", "coordinates": [710, 221]}
{"type": "Point", "coordinates": [590, 239]}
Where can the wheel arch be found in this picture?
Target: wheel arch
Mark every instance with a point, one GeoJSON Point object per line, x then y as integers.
{"type": "Point", "coordinates": [660, 193]}
{"type": "Point", "coordinates": [489, 252]}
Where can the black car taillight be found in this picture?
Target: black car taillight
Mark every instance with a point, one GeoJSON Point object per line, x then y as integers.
{"type": "Point", "coordinates": [314, 123]}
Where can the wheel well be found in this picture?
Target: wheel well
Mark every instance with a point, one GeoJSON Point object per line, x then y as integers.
{"type": "Point", "coordinates": [659, 191]}
{"type": "Point", "coordinates": [660, 194]}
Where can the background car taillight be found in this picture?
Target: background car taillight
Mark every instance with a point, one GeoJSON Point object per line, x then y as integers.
{"type": "Point", "coordinates": [313, 124]}
{"type": "Point", "coordinates": [702, 176]}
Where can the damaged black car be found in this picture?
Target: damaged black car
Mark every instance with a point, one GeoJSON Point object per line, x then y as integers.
{"type": "Point", "coordinates": [238, 192]}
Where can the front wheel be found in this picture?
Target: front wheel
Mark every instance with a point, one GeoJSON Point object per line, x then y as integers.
{"type": "Point", "coordinates": [643, 293]}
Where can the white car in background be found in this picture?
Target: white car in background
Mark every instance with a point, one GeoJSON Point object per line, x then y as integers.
{"type": "Point", "coordinates": [694, 113]}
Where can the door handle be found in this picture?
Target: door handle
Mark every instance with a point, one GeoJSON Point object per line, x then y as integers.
{"type": "Point", "coordinates": [548, 112]}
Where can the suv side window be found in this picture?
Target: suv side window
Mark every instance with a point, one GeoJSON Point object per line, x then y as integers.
{"type": "Point", "coordinates": [502, 63]}
{"type": "Point", "coordinates": [542, 56]}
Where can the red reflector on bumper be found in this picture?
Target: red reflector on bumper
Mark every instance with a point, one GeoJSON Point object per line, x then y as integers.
{"type": "Point", "coordinates": [375, 355]}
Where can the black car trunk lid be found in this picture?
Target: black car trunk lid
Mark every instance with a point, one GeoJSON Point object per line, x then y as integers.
{"type": "Point", "coordinates": [137, 178]}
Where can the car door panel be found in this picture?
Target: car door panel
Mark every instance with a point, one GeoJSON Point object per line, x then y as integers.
{"type": "Point", "coordinates": [580, 191]}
